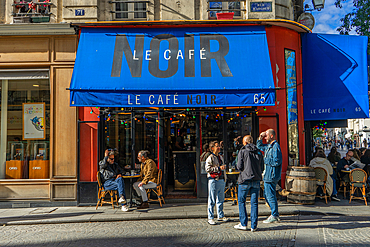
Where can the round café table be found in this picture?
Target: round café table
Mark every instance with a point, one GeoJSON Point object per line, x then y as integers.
{"type": "Point", "coordinates": [131, 177]}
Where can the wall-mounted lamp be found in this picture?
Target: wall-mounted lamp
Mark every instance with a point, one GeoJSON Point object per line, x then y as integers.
{"type": "Point", "coordinates": [317, 5]}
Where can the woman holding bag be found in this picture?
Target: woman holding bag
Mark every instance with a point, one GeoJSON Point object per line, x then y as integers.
{"type": "Point", "coordinates": [216, 175]}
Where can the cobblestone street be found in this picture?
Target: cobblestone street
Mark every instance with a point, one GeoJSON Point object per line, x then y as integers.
{"type": "Point", "coordinates": [306, 230]}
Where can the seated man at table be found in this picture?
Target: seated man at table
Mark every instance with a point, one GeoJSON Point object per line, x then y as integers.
{"type": "Point", "coordinates": [112, 176]}
{"type": "Point", "coordinates": [345, 162]}
{"type": "Point", "coordinates": [148, 177]}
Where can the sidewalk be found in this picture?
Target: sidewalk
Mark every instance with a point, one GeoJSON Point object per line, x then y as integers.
{"type": "Point", "coordinates": [58, 215]}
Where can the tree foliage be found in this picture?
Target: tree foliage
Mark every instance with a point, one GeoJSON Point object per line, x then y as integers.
{"type": "Point", "coordinates": [357, 20]}
{"type": "Point", "coordinates": [317, 133]}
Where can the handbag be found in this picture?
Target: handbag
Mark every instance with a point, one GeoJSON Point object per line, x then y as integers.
{"type": "Point", "coordinates": [215, 174]}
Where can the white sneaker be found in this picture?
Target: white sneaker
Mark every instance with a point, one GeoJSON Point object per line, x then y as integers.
{"type": "Point", "coordinates": [224, 219]}
{"type": "Point", "coordinates": [253, 230]}
{"type": "Point", "coordinates": [211, 222]}
{"type": "Point", "coordinates": [240, 227]}
{"type": "Point", "coordinates": [121, 200]}
{"type": "Point", "coordinates": [271, 219]}
{"type": "Point", "coordinates": [125, 208]}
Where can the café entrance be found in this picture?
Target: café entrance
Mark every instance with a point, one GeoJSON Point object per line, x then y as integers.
{"type": "Point", "coordinates": [175, 139]}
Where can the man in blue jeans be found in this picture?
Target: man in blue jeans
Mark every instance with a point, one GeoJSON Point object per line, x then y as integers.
{"type": "Point", "coordinates": [272, 172]}
{"type": "Point", "coordinates": [112, 177]}
{"type": "Point", "coordinates": [250, 165]}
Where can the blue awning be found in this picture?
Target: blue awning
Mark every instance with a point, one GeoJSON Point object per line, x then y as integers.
{"type": "Point", "coordinates": [177, 67]}
{"type": "Point", "coordinates": [334, 77]}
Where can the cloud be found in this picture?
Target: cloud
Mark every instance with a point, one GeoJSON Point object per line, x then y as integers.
{"type": "Point", "coordinates": [328, 19]}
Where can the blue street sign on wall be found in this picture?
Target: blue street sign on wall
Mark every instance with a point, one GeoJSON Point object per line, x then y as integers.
{"type": "Point", "coordinates": [79, 12]}
{"type": "Point", "coordinates": [261, 7]}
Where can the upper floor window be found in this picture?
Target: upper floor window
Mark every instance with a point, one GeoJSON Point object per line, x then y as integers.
{"type": "Point", "coordinates": [223, 7]}
{"type": "Point", "coordinates": [31, 11]}
{"type": "Point", "coordinates": [130, 9]}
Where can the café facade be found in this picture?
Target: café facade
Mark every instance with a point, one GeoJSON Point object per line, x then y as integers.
{"type": "Point", "coordinates": [172, 87]}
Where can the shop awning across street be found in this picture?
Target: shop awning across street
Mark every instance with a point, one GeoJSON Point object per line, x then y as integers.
{"type": "Point", "coordinates": [173, 67]}
{"type": "Point", "coordinates": [335, 77]}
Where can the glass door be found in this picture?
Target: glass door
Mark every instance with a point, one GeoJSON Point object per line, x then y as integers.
{"type": "Point", "coordinates": [118, 136]}
{"type": "Point", "coordinates": [146, 134]}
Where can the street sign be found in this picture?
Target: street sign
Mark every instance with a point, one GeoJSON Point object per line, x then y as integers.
{"type": "Point", "coordinates": [79, 12]}
{"type": "Point", "coordinates": [261, 7]}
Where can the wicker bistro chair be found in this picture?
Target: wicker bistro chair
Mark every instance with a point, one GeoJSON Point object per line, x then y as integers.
{"type": "Point", "coordinates": [321, 176]}
{"type": "Point", "coordinates": [158, 190]}
{"type": "Point", "coordinates": [358, 179]}
{"type": "Point", "coordinates": [103, 192]}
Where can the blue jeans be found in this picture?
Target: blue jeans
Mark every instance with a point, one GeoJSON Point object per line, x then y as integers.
{"type": "Point", "coordinates": [254, 187]}
{"type": "Point", "coordinates": [216, 190]}
{"type": "Point", "coordinates": [116, 184]}
{"type": "Point", "coordinates": [333, 176]}
{"type": "Point", "coordinates": [270, 196]}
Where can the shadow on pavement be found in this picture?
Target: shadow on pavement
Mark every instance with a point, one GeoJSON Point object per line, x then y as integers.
{"type": "Point", "coordinates": [201, 239]}
{"type": "Point", "coordinates": [5, 220]}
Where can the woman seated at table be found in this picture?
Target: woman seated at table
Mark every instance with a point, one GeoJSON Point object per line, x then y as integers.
{"type": "Point", "coordinates": [356, 161]}
{"type": "Point", "coordinates": [320, 160]}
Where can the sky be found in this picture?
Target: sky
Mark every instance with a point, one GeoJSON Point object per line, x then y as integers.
{"type": "Point", "coordinates": [328, 19]}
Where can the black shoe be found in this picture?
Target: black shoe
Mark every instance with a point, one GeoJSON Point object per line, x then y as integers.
{"type": "Point", "coordinates": [335, 198]}
{"type": "Point", "coordinates": [144, 205]}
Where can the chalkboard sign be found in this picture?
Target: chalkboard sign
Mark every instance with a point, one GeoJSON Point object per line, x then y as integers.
{"type": "Point", "coordinates": [184, 166]}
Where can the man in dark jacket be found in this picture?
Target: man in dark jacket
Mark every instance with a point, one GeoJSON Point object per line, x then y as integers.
{"type": "Point", "coordinates": [250, 165]}
{"type": "Point", "coordinates": [112, 177]}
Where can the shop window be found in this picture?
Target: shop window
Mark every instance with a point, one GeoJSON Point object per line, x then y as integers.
{"type": "Point", "coordinates": [26, 115]}
{"type": "Point", "coordinates": [130, 10]}
{"type": "Point", "coordinates": [223, 7]}
{"type": "Point", "coordinates": [34, 11]}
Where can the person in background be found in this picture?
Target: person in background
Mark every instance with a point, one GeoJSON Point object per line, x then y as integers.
{"type": "Point", "coordinates": [362, 151]}
{"type": "Point", "coordinates": [334, 156]}
{"type": "Point", "coordinates": [321, 161]}
{"type": "Point", "coordinates": [216, 175]}
{"type": "Point", "coordinates": [238, 144]}
{"type": "Point", "coordinates": [250, 165]}
{"type": "Point", "coordinates": [148, 177]}
{"type": "Point", "coordinates": [356, 160]}
{"type": "Point", "coordinates": [272, 173]}
{"type": "Point", "coordinates": [180, 144]}
{"type": "Point", "coordinates": [222, 148]}
{"type": "Point", "coordinates": [365, 158]}
{"type": "Point", "coordinates": [112, 176]}
{"type": "Point", "coordinates": [206, 152]}
{"type": "Point", "coordinates": [357, 154]}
